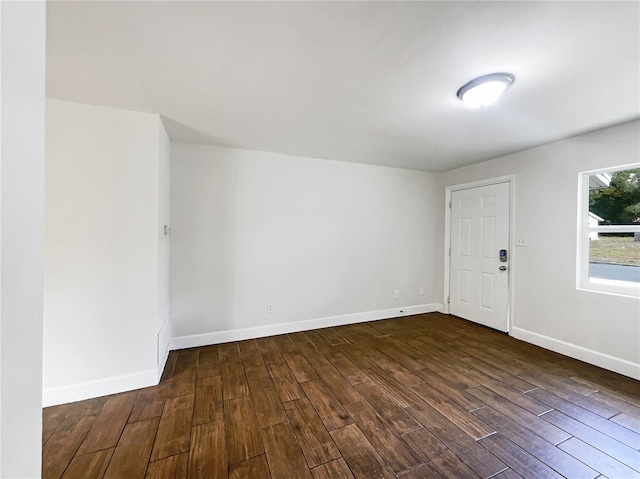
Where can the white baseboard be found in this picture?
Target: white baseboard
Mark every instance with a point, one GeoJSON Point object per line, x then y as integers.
{"type": "Point", "coordinates": [164, 339]}
{"type": "Point", "coordinates": [590, 356]}
{"type": "Point", "coordinates": [100, 387]}
{"type": "Point", "coordinates": [218, 337]}
{"type": "Point", "coordinates": [142, 379]}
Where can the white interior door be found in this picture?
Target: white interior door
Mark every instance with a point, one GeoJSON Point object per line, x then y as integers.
{"type": "Point", "coordinates": [479, 280]}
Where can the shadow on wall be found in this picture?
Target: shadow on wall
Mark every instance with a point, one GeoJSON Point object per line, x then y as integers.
{"type": "Point", "coordinates": [184, 133]}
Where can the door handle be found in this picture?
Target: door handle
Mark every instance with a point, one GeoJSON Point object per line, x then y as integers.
{"type": "Point", "coordinates": [502, 268]}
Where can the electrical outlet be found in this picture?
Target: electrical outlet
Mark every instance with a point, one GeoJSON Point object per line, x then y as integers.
{"type": "Point", "coordinates": [396, 294]}
{"type": "Point", "coordinates": [421, 289]}
{"type": "Point", "coordinates": [269, 308]}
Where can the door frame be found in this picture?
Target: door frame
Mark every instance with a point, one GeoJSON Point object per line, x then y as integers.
{"type": "Point", "coordinates": [449, 189]}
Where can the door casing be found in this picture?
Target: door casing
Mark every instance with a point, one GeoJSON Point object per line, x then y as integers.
{"type": "Point", "coordinates": [510, 179]}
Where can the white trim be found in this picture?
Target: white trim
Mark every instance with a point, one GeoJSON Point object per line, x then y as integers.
{"type": "Point", "coordinates": [447, 250]}
{"type": "Point", "coordinates": [127, 382]}
{"type": "Point", "coordinates": [614, 169]}
{"type": "Point", "coordinates": [612, 228]}
{"type": "Point", "coordinates": [217, 337]}
{"type": "Point", "coordinates": [486, 182]}
{"type": "Point", "coordinates": [100, 387]}
{"type": "Point", "coordinates": [511, 179]}
{"type": "Point", "coordinates": [582, 240]}
{"type": "Point", "coordinates": [627, 289]}
{"type": "Point", "coordinates": [164, 339]}
{"type": "Point", "coordinates": [602, 360]}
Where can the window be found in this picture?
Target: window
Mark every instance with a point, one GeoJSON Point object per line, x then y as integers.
{"type": "Point", "coordinates": [609, 231]}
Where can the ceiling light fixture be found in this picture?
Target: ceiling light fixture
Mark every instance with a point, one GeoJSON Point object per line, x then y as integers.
{"type": "Point", "coordinates": [485, 90]}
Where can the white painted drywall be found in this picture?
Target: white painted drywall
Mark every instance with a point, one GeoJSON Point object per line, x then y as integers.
{"type": "Point", "coordinates": [548, 309]}
{"type": "Point", "coordinates": [314, 238]}
{"type": "Point", "coordinates": [1, 155]}
{"type": "Point", "coordinates": [163, 328]}
{"type": "Point", "coordinates": [102, 255]}
{"type": "Point", "coordinates": [22, 201]}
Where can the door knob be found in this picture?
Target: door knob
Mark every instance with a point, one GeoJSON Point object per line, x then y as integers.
{"type": "Point", "coordinates": [503, 268]}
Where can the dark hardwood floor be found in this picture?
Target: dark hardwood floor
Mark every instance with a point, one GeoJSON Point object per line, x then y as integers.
{"type": "Point", "coordinates": [427, 396]}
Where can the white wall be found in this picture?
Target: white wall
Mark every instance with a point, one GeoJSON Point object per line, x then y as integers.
{"type": "Point", "coordinates": [163, 327]}
{"type": "Point", "coordinates": [548, 310]}
{"type": "Point", "coordinates": [102, 250]}
{"type": "Point", "coordinates": [314, 238]}
{"type": "Point", "coordinates": [324, 242]}
{"type": "Point", "coordinates": [22, 59]}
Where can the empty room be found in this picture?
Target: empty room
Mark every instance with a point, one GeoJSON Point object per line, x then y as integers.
{"type": "Point", "coordinates": [320, 240]}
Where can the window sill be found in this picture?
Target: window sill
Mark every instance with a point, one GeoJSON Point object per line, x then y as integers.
{"type": "Point", "coordinates": [611, 286]}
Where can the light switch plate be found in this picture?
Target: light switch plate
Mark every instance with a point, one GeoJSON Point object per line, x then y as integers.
{"type": "Point", "coordinates": [521, 241]}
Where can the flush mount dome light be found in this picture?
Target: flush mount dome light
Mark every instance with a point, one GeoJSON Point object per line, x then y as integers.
{"type": "Point", "coordinates": [485, 90]}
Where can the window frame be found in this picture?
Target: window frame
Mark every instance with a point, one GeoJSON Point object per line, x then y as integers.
{"type": "Point", "coordinates": [623, 288]}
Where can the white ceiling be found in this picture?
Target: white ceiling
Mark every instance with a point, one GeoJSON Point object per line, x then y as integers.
{"type": "Point", "coordinates": [371, 82]}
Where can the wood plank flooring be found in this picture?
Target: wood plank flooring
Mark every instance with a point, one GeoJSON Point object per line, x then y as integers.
{"type": "Point", "coordinates": [426, 396]}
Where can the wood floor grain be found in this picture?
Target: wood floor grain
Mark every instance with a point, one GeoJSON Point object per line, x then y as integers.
{"type": "Point", "coordinates": [207, 455]}
{"type": "Point", "coordinates": [419, 397]}
{"type": "Point", "coordinates": [174, 431]}
{"type": "Point", "coordinates": [133, 447]}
